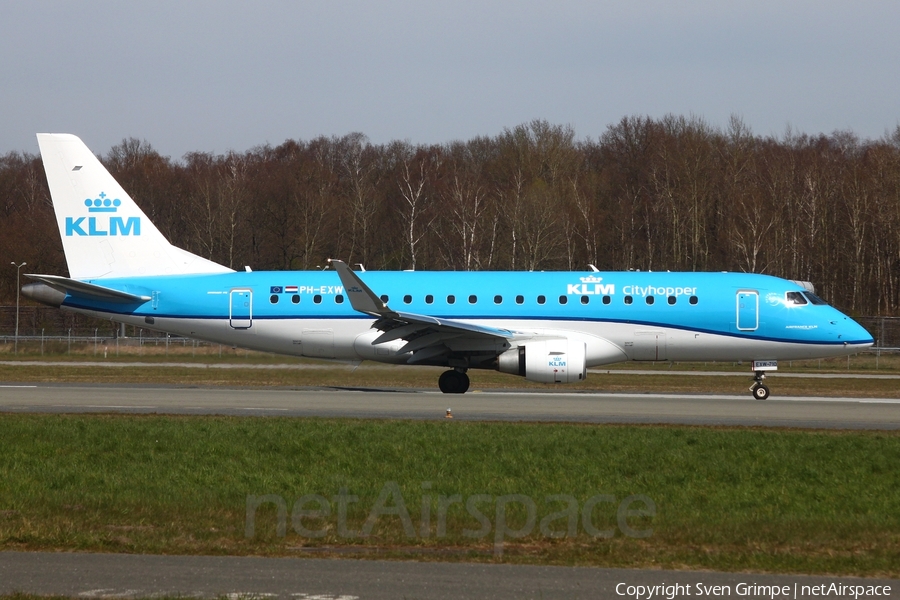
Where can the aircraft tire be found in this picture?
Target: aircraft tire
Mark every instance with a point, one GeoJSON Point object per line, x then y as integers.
{"type": "Point", "coordinates": [760, 392]}
{"type": "Point", "coordinates": [465, 382]}
{"type": "Point", "coordinates": [453, 382]}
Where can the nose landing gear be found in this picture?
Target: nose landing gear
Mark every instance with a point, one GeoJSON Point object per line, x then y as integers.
{"type": "Point", "coordinates": [759, 390]}
{"type": "Point", "coordinates": [454, 382]}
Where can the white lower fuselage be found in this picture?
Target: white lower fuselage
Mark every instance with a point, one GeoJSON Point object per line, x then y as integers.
{"type": "Point", "coordinates": [606, 343]}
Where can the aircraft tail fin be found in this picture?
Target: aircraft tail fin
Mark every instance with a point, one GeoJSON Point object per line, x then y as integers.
{"type": "Point", "coordinates": [104, 232]}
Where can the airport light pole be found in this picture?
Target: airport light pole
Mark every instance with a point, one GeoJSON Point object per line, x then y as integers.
{"type": "Point", "coordinates": [18, 267]}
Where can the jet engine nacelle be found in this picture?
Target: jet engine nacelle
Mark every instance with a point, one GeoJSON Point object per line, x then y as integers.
{"type": "Point", "coordinates": [546, 361]}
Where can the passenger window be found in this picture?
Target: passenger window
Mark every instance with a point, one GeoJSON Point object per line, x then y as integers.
{"type": "Point", "coordinates": [585, 299]}
{"type": "Point", "coordinates": [273, 298]}
{"type": "Point", "coordinates": [384, 298]}
{"type": "Point", "coordinates": [451, 299]}
{"type": "Point", "coordinates": [498, 299]}
{"type": "Point", "coordinates": [672, 299]}
{"type": "Point", "coordinates": [317, 299]}
{"type": "Point", "coordinates": [606, 299]}
{"type": "Point", "coordinates": [295, 299]}
{"type": "Point", "coordinates": [795, 298]}
{"type": "Point", "coordinates": [650, 300]}
{"type": "Point", "coordinates": [339, 299]}
{"type": "Point", "coordinates": [563, 299]}
{"type": "Point", "coordinates": [473, 299]}
{"type": "Point", "coordinates": [693, 300]}
{"type": "Point", "coordinates": [541, 299]}
{"type": "Point", "coordinates": [407, 299]}
{"type": "Point", "coordinates": [520, 299]}
{"type": "Point", "coordinates": [429, 299]}
{"type": "Point", "coordinates": [628, 299]}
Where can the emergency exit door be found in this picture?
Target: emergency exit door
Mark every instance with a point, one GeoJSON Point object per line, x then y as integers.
{"type": "Point", "coordinates": [241, 314]}
{"type": "Point", "coordinates": [747, 310]}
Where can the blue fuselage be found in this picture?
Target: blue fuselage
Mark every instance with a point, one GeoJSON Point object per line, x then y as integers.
{"type": "Point", "coordinates": [689, 316]}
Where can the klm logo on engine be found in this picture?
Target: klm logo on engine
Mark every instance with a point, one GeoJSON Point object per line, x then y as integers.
{"type": "Point", "coordinates": [591, 285]}
{"type": "Point", "coordinates": [97, 223]}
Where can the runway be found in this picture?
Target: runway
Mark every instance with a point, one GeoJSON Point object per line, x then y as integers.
{"type": "Point", "coordinates": [713, 409]}
{"type": "Point", "coordinates": [86, 575]}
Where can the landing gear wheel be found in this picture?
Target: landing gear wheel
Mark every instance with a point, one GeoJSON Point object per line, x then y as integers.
{"type": "Point", "coordinates": [760, 391]}
{"type": "Point", "coordinates": [453, 382]}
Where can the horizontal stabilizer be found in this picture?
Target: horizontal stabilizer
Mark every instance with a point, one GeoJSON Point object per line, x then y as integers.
{"type": "Point", "coordinates": [88, 290]}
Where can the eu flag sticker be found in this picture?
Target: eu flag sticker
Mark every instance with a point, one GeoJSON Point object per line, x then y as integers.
{"type": "Point", "coordinates": [275, 289]}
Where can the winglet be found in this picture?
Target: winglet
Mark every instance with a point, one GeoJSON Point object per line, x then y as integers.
{"type": "Point", "coordinates": [361, 296]}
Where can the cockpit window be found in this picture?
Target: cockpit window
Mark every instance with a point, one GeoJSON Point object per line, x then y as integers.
{"type": "Point", "coordinates": [814, 299]}
{"type": "Point", "coordinates": [795, 298]}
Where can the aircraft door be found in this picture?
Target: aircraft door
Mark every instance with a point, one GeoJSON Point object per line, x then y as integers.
{"type": "Point", "coordinates": [747, 310]}
{"type": "Point", "coordinates": [240, 314]}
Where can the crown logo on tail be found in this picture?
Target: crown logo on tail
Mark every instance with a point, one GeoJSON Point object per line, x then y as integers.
{"type": "Point", "coordinates": [102, 204]}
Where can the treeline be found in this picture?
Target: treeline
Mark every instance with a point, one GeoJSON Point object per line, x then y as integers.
{"type": "Point", "coordinates": [650, 194]}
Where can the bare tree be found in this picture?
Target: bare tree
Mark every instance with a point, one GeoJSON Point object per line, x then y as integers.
{"type": "Point", "coordinates": [415, 167]}
{"type": "Point", "coordinates": [360, 175]}
{"type": "Point", "coordinates": [464, 203]}
{"type": "Point", "coordinates": [217, 205]}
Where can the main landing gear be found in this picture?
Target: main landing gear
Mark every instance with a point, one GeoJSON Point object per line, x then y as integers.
{"type": "Point", "coordinates": [454, 381]}
{"type": "Point", "coordinates": [759, 390]}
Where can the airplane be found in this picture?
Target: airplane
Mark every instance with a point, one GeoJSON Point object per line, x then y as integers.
{"type": "Point", "coordinates": [547, 327]}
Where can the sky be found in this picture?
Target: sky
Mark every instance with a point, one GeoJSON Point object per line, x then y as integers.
{"type": "Point", "coordinates": [215, 76]}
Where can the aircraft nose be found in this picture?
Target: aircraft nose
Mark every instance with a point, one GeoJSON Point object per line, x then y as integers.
{"type": "Point", "coordinates": [854, 334]}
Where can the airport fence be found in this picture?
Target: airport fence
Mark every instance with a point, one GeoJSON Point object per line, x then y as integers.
{"type": "Point", "coordinates": [38, 321]}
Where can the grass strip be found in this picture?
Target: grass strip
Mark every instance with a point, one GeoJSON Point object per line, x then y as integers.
{"type": "Point", "coordinates": [725, 499]}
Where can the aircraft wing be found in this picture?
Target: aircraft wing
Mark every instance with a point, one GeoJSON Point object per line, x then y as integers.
{"type": "Point", "coordinates": [87, 290]}
{"type": "Point", "coordinates": [425, 336]}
